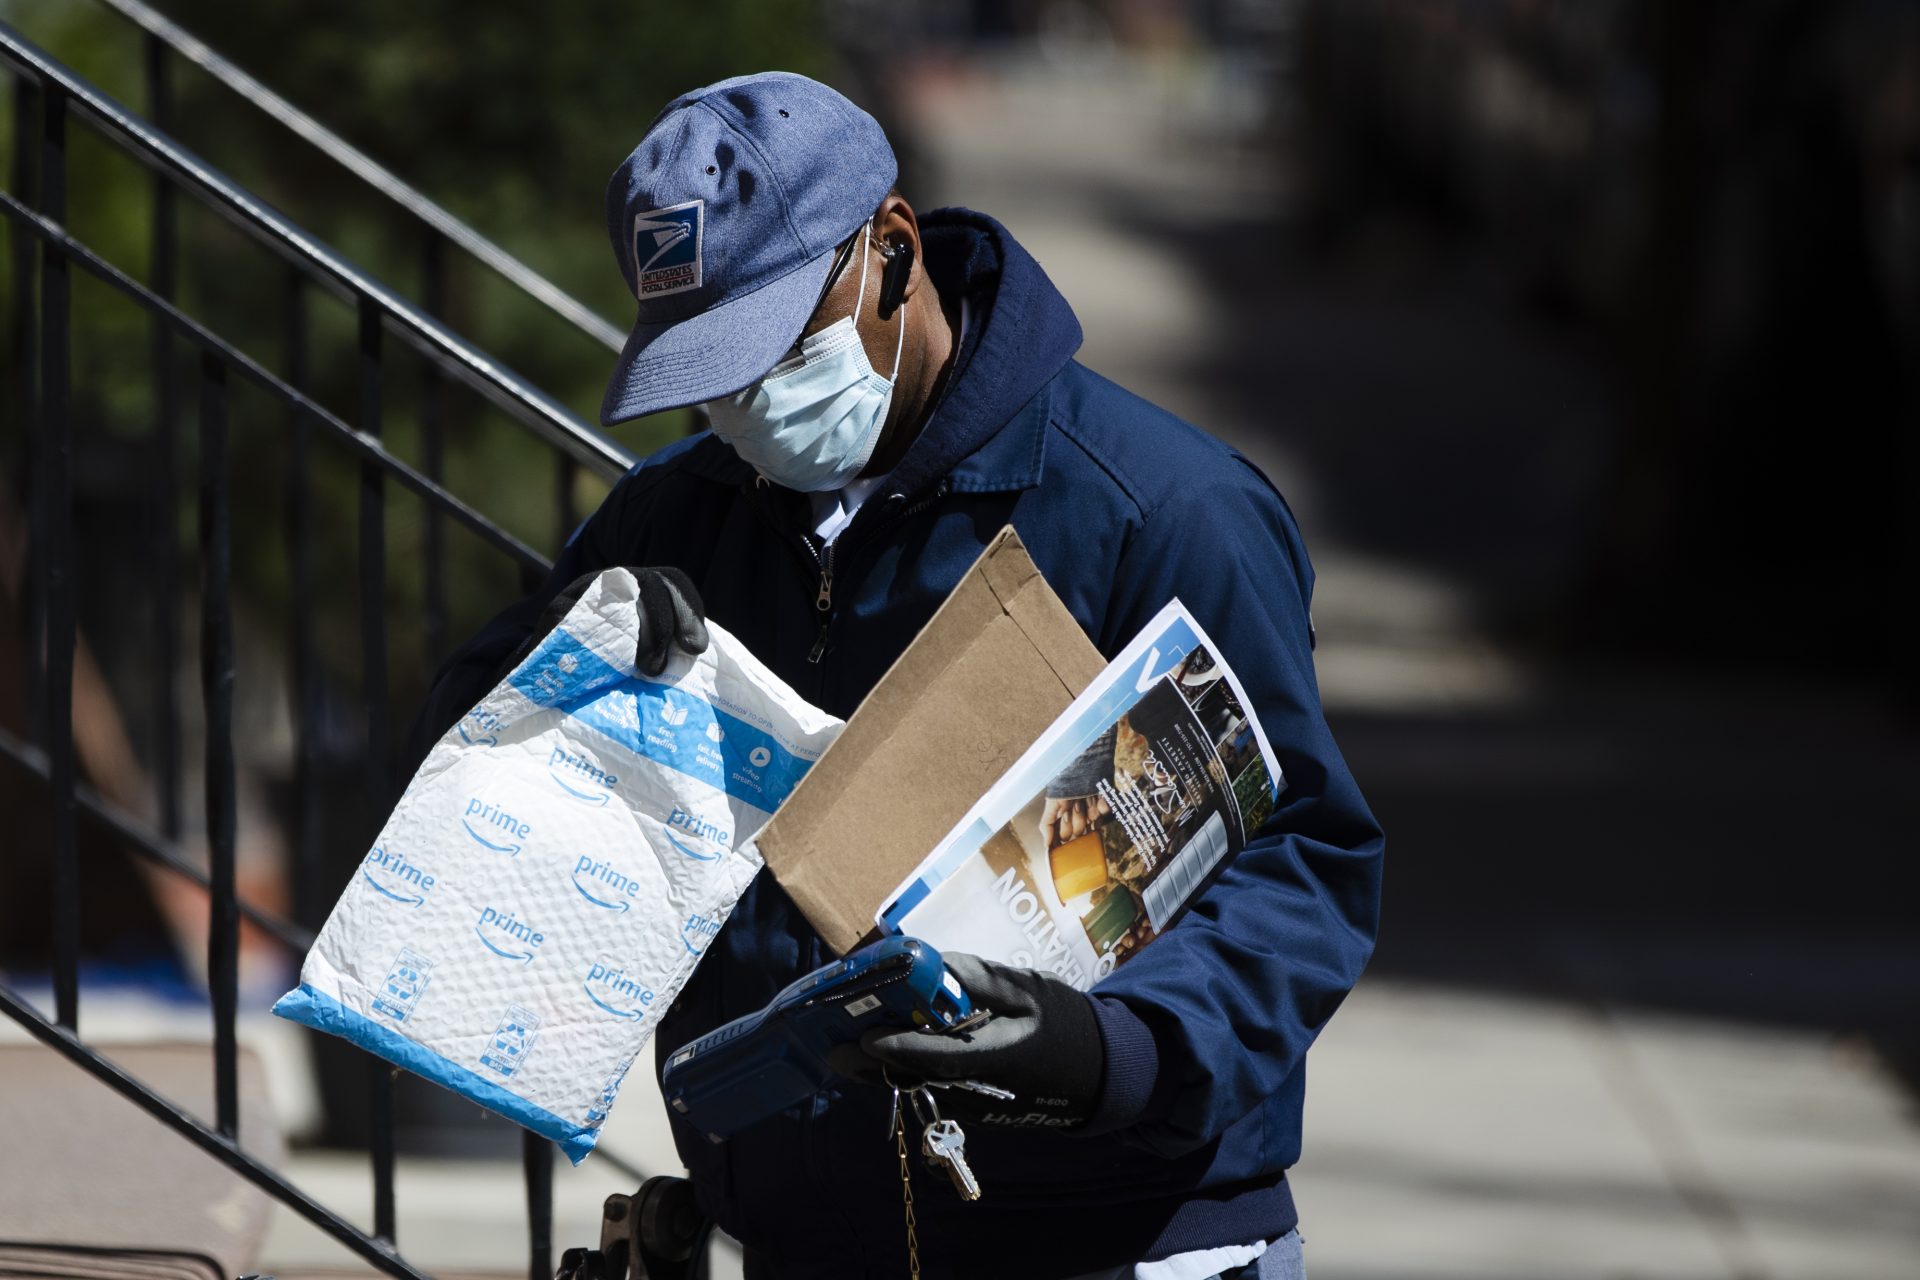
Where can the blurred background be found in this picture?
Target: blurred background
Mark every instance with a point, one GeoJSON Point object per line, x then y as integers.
{"type": "Point", "coordinates": [1584, 340]}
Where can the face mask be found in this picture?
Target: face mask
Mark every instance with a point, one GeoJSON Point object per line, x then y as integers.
{"type": "Point", "coordinates": [812, 422]}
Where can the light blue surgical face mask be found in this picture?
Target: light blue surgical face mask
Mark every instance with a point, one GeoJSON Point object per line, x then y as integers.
{"type": "Point", "coordinates": [812, 422]}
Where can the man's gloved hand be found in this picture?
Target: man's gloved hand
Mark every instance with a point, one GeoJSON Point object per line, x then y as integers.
{"type": "Point", "coordinates": [670, 614]}
{"type": "Point", "coordinates": [1043, 1043]}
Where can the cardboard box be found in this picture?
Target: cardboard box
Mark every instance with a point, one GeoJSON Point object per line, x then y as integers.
{"type": "Point", "coordinates": [1000, 660]}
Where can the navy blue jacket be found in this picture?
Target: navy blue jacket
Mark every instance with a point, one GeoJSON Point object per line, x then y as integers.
{"type": "Point", "coordinates": [1122, 506]}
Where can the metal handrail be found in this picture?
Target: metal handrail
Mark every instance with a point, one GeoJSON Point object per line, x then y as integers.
{"type": "Point", "coordinates": [41, 329]}
{"type": "Point", "coordinates": [150, 844]}
{"type": "Point", "coordinates": [367, 447]}
{"type": "Point", "coordinates": [371, 172]}
{"type": "Point", "coordinates": [584, 444]}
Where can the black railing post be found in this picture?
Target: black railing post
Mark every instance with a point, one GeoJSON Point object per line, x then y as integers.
{"type": "Point", "coordinates": [26, 365]}
{"type": "Point", "coordinates": [536, 1157]}
{"type": "Point", "coordinates": [373, 678]}
{"type": "Point", "coordinates": [566, 509]}
{"type": "Point", "coordinates": [433, 426]}
{"type": "Point", "coordinates": [310, 891]}
{"type": "Point", "coordinates": [373, 561]}
{"type": "Point", "coordinates": [56, 557]}
{"type": "Point", "coordinates": [216, 684]}
{"type": "Point", "coordinates": [164, 543]}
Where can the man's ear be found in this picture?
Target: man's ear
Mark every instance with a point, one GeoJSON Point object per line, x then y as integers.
{"type": "Point", "coordinates": [896, 227]}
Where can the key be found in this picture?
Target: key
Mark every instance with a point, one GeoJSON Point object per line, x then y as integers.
{"type": "Point", "coordinates": [893, 1117]}
{"type": "Point", "coordinates": [944, 1144]}
{"type": "Point", "coordinates": [975, 1086]}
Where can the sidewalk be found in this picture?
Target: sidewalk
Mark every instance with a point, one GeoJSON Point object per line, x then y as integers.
{"type": "Point", "coordinates": [1453, 1135]}
{"type": "Point", "coordinates": [1450, 1136]}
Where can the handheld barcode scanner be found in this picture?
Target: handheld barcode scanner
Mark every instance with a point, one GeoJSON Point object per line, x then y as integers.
{"type": "Point", "coordinates": [771, 1059]}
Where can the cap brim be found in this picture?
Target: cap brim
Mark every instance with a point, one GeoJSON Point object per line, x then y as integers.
{"type": "Point", "coordinates": [715, 353]}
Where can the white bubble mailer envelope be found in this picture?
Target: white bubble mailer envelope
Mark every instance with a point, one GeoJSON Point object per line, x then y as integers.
{"type": "Point", "coordinates": [557, 866]}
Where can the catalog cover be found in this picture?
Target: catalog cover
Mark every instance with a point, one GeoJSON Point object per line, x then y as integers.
{"type": "Point", "coordinates": [1091, 845]}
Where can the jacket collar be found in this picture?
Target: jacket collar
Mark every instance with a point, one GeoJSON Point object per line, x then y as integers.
{"type": "Point", "coordinates": [988, 432]}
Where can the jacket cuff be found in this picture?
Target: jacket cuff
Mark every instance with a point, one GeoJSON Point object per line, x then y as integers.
{"type": "Point", "coordinates": [1132, 1066]}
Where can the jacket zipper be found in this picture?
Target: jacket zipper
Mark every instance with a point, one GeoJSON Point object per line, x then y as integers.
{"type": "Point", "coordinates": [821, 555]}
{"type": "Point", "coordinates": [823, 601]}
{"type": "Point", "coordinates": [932, 496]}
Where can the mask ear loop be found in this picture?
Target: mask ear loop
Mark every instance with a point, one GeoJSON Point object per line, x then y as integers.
{"type": "Point", "coordinates": [900, 339]}
{"type": "Point", "coordinates": [860, 299]}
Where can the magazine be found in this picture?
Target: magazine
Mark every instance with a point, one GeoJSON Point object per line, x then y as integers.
{"type": "Point", "coordinates": [1097, 838]}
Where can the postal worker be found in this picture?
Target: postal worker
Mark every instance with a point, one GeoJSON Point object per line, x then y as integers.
{"type": "Point", "coordinates": [886, 390]}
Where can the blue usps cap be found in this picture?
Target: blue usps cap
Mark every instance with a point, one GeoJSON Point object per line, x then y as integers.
{"type": "Point", "coordinates": [725, 220]}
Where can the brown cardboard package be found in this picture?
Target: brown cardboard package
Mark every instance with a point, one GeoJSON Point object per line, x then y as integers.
{"type": "Point", "coordinates": [999, 661]}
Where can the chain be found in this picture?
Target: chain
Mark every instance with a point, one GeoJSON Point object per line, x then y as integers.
{"type": "Point", "coordinates": [906, 1193]}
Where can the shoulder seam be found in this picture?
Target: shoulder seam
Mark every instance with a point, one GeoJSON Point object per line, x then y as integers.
{"type": "Point", "coordinates": [1112, 473]}
{"type": "Point", "coordinates": [1120, 479]}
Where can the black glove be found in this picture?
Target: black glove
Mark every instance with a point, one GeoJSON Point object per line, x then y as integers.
{"type": "Point", "coordinates": [669, 611]}
{"type": "Point", "coordinates": [1043, 1043]}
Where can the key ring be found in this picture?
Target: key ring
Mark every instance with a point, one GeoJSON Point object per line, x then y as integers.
{"type": "Point", "coordinates": [914, 1096]}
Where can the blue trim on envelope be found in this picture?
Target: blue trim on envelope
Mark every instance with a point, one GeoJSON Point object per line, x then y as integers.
{"type": "Point", "coordinates": [322, 1012]}
{"type": "Point", "coordinates": [660, 722]}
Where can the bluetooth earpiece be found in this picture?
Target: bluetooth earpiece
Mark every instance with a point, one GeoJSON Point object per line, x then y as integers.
{"type": "Point", "coordinates": [894, 277]}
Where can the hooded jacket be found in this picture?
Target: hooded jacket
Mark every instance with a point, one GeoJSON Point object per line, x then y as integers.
{"type": "Point", "coordinates": [1122, 506]}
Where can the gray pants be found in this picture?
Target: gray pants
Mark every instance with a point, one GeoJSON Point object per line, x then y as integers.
{"type": "Point", "coordinates": [1281, 1261]}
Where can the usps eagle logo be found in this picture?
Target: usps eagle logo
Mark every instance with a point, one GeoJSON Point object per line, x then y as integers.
{"type": "Point", "coordinates": [666, 249]}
